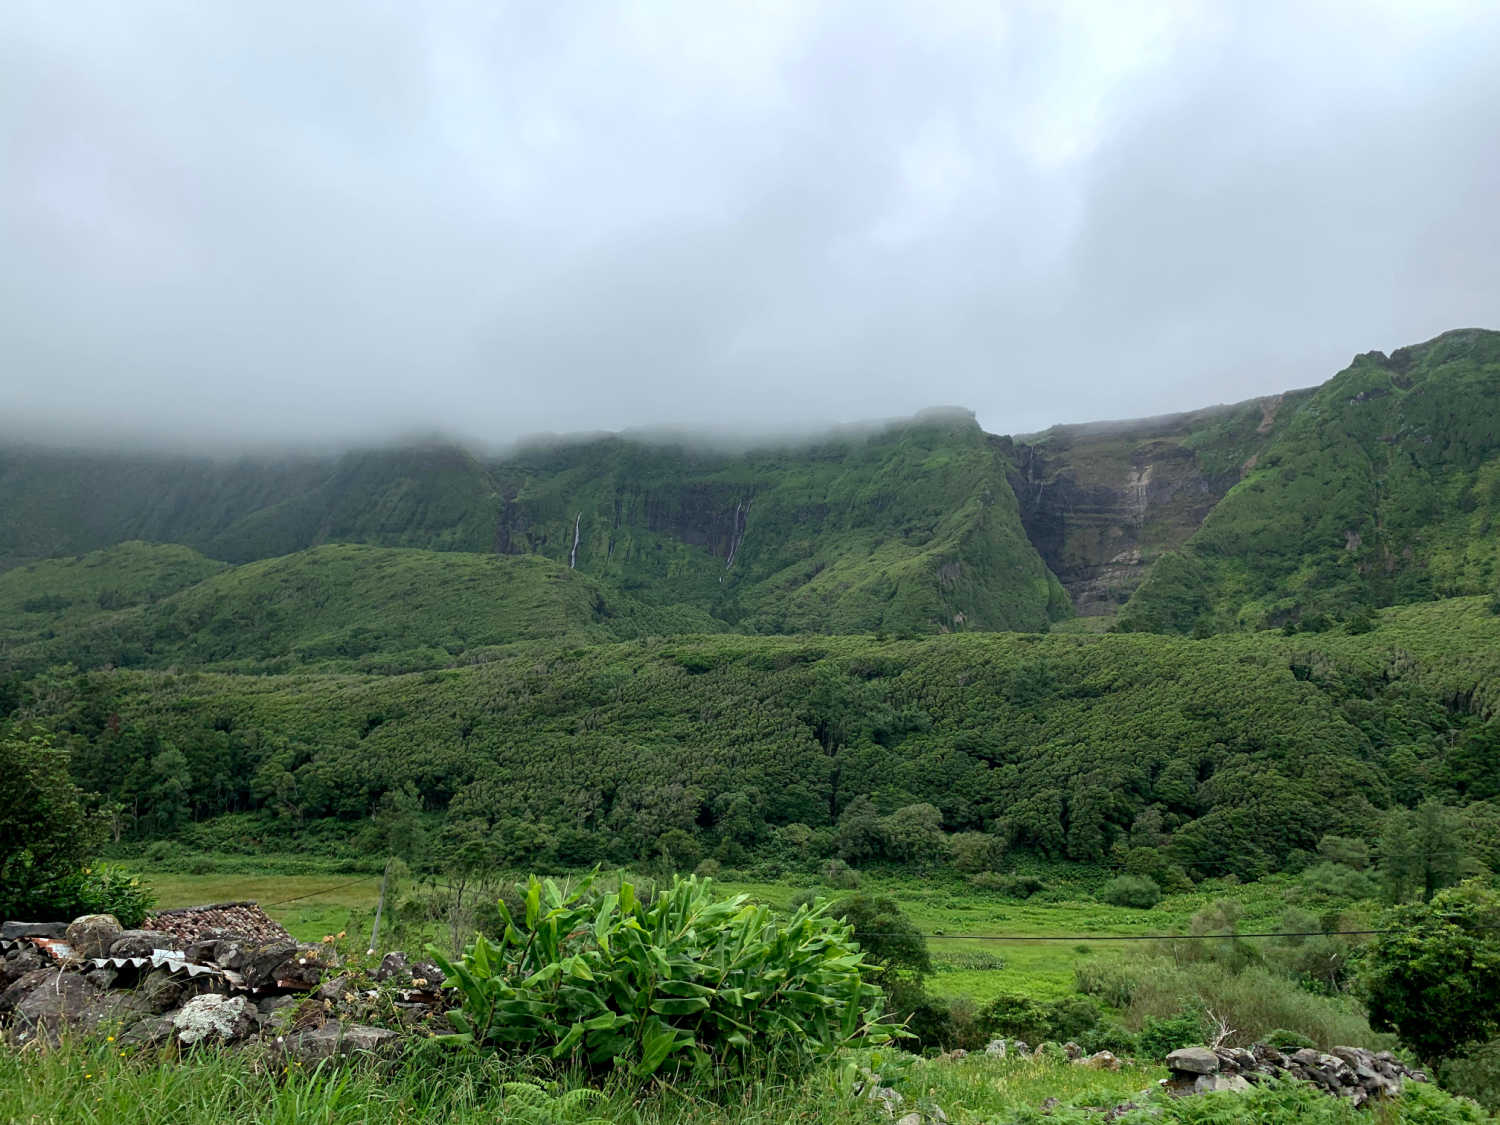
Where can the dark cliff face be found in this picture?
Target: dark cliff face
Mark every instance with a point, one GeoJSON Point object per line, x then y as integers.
{"type": "Point", "coordinates": [1102, 502]}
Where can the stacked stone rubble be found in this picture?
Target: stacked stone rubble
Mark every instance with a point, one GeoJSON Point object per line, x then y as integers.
{"type": "Point", "coordinates": [1348, 1072]}
{"type": "Point", "coordinates": [188, 982]}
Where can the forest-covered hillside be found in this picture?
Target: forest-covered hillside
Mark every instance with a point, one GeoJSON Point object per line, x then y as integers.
{"type": "Point", "coordinates": [341, 606]}
{"type": "Point", "coordinates": [1228, 754]}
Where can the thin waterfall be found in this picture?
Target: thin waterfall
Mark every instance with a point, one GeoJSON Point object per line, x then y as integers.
{"type": "Point", "coordinates": [573, 554]}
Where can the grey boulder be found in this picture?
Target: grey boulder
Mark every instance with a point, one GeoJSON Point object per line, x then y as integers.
{"type": "Point", "coordinates": [336, 1038]}
{"type": "Point", "coordinates": [93, 934]}
{"type": "Point", "coordinates": [1193, 1060]}
{"type": "Point", "coordinates": [15, 931]}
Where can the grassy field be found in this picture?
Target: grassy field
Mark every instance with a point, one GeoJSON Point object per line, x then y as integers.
{"type": "Point", "coordinates": [1066, 933]}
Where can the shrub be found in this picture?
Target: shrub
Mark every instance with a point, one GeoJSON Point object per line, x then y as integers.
{"type": "Point", "coordinates": [708, 869]}
{"type": "Point", "coordinates": [1112, 1036]}
{"type": "Point", "coordinates": [1160, 1036]}
{"type": "Point", "coordinates": [1284, 1039]}
{"type": "Point", "coordinates": [109, 889]}
{"type": "Point", "coordinates": [895, 950]}
{"type": "Point", "coordinates": [691, 981]}
{"type": "Point", "coordinates": [1112, 983]}
{"type": "Point", "coordinates": [1016, 886]}
{"type": "Point", "coordinates": [160, 851]}
{"type": "Point", "coordinates": [1131, 890]}
{"type": "Point", "coordinates": [1435, 977]}
{"type": "Point", "coordinates": [1022, 1017]}
{"type": "Point", "coordinates": [1335, 880]}
{"type": "Point", "coordinates": [839, 874]}
{"type": "Point", "coordinates": [199, 865]}
{"type": "Point", "coordinates": [1475, 1075]}
{"type": "Point", "coordinates": [1254, 1001]}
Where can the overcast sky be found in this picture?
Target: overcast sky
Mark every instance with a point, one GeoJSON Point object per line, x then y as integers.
{"type": "Point", "coordinates": [335, 220]}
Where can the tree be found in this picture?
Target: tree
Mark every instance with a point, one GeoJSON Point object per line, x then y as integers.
{"type": "Point", "coordinates": [399, 833]}
{"type": "Point", "coordinates": [914, 834]}
{"type": "Point", "coordinates": [678, 850]}
{"type": "Point", "coordinates": [465, 853]}
{"type": "Point", "coordinates": [1421, 849]}
{"type": "Point", "coordinates": [1435, 978]}
{"type": "Point", "coordinates": [861, 835]}
{"type": "Point", "coordinates": [46, 835]}
{"type": "Point", "coordinates": [168, 791]}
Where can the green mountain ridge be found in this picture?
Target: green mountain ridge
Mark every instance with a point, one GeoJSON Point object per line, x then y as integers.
{"type": "Point", "coordinates": [1382, 488]}
{"type": "Point", "coordinates": [1379, 487]}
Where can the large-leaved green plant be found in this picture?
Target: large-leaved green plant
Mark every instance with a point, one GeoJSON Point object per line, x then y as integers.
{"type": "Point", "coordinates": [688, 980]}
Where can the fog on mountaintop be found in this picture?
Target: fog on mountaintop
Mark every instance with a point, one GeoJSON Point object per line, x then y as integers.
{"type": "Point", "coordinates": [233, 225]}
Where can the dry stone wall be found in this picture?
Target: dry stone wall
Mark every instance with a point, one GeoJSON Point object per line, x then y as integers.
{"type": "Point", "coordinates": [223, 975]}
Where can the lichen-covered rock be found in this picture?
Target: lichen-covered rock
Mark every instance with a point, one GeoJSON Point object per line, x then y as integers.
{"type": "Point", "coordinates": [394, 967]}
{"type": "Point", "coordinates": [427, 973]}
{"type": "Point", "coordinates": [214, 1018]}
{"type": "Point", "coordinates": [1100, 1060]}
{"type": "Point", "coordinates": [142, 943]}
{"type": "Point", "coordinates": [93, 934]}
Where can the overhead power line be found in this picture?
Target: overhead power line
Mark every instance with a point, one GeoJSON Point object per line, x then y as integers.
{"type": "Point", "coordinates": [324, 891]}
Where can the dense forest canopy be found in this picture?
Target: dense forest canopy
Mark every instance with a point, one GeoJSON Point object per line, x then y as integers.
{"type": "Point", "coordinates": [1227, 754]}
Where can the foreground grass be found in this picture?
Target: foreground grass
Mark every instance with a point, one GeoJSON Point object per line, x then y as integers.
{"type": "Point", "coordinates": [88, 1084]}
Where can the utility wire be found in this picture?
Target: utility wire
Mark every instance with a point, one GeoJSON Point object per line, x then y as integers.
{"type": "Point", "coordinates": [324, 891]}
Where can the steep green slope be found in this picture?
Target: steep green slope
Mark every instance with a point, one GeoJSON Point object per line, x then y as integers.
{"type": "Point", "coordinates": [346, 605]}
{"type": "Point", "coordinates": [1383, 488]}
{"type": "Point", "coordinates": [1104, 500]}
{"type": "Point", "coordinates": [913, 526]}
{"type": "Point", "coordinates": [54, 502]}
{"type": "Point", "coordinates": [1229, 752]}
{"type": "Point", "coordinates": [433, 496]}
{"type": "Point", "coordinates": [58, 596]}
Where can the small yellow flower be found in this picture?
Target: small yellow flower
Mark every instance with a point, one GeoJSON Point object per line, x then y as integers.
{"type": "Point", "coordinates": [111, 1039]}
